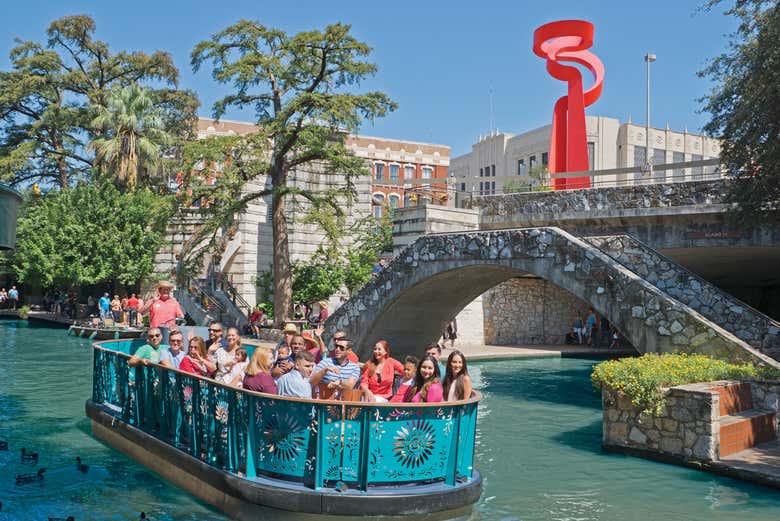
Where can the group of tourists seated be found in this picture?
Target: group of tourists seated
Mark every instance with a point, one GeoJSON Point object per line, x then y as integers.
{"type": "Point", "coordinates": [301, 366]}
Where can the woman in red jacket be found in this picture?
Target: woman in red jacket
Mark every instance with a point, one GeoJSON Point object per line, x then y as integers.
{"type": "Point", "coordinates": [377, 380]}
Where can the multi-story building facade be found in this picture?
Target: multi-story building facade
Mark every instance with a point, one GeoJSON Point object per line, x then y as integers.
{"type": "Point", "coordinates": [502, 159]}
{"type": "Point", "coordinates": [400, 171]}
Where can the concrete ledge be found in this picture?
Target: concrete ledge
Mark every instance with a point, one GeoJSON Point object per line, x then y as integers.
{"type": "Point", "coordinates": [721, 467]}
{"type": "Point", "coordinates": [250, 499]}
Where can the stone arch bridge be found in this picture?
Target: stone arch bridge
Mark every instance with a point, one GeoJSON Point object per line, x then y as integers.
{"type": "Point", "coordinates": [437, 275]}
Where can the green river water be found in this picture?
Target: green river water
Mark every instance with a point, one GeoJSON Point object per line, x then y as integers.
{"type": "Point", "coordinates": [539, 435]}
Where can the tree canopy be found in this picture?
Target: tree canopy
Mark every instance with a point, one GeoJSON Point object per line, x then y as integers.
{"type": "Point", "coordinates": [745, 109]}
{"type": "Point", "coordinates": [49, 98]}
{"type": "Point", "coordinates": [90, 234]}
{"type": "Point", "coordinates": [298, 86]}
{"type": "Point", "coordinates": [133, 137]}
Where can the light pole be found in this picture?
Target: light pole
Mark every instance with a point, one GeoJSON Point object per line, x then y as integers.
{"type": "Point", "coordinates": [649, 58]}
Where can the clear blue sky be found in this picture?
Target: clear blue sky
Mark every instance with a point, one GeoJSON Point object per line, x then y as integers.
{"type": "Point", "coordinates": [438, 60]}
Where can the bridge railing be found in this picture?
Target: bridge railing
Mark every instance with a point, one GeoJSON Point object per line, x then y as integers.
{"type": "Point", "coordinates": [687, 171]}
{"type": "Point", "coordinates": [316, 443]}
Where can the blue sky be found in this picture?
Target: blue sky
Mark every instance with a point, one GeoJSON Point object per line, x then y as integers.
{"type": "Point", "coordinates": [437, 60]}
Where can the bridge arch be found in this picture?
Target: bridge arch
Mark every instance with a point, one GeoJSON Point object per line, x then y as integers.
{"type": "Point", "coordinates": [437, 275]}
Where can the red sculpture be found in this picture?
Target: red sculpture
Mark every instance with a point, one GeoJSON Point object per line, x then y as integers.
{"type": "Point", "coordinates": [562, 41]}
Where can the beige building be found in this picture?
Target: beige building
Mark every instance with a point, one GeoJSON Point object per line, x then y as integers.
{"type": "Point", "coordinates": [503, 159]}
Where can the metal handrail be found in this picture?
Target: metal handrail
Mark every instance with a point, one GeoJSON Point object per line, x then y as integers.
{"type": "Point", "coordinates": [227, 287]}
{"type": "Point", "coordinates": [212, 303]}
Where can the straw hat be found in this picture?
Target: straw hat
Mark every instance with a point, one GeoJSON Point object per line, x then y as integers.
{"type": "Point", "coordinates": [290, 328]}
{"type": "Point", "coordinates": [323, 303]}
{"type": "Point", "coordinates": [311, 343]}
{"type": "Point", "coordinates": [164, 284]}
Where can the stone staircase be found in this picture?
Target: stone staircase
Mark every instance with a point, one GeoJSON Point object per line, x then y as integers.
{"type": "Point", "coordinates": [741, 424]}
{"type": "Point", "coordinates": [743, 321]}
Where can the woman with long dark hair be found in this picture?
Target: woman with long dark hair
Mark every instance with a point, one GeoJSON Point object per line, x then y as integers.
{"type": "Point", "coordinates": [457, 382]}
{"type": "Point", "coordinates": [377, 380]}
{"type": "Point", "coordinates": [427, 383]}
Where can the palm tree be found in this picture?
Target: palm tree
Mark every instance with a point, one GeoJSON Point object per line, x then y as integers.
{"type": "Point", "coordinates": [132, 137]}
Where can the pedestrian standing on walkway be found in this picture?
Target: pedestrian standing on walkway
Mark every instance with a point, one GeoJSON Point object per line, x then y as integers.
{"type": "Point", "coordinates": [163, 309]}
{"type": "Point", "coordinates": [450, 333]}
{"type": "Point", "coordinates": [104, 304]}
{"type": "Point", "coordinates": [576, 326]}
{"type": "Point", "coordinates": [592, 327]}
{"type": "Point", "coordinates": [13, 297]}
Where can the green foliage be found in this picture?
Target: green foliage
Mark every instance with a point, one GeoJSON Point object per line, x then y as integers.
{"type": "Point", "coordinates": [642, 378]}
{"type": "Point", "coordinates": [133, 137]}
{"type": "Point", "coordinates": [745, 109]}
{"type": "Point", "coordinates": [24, 312]}
{"type": "Point", "coordinates": [298, 86]}
{"type": "Point", "coordinates": [317, 279]}
{"type": "Point", "coordinates": [90, 234]}
{"type": "Point", "coordinates": [514, 186]}
{"type": "Point", "coordinates": [330, 269]}
{"type": "Point", "coordinates": [49, 97]}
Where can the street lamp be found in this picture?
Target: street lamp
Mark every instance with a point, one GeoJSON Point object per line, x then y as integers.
{"type": "Point", "coordinates": [649, 58]}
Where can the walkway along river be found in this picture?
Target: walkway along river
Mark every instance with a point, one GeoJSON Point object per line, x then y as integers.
{"type": "Point", "coordinates": [538, 448]}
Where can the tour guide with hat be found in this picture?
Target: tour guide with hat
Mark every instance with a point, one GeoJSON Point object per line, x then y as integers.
{"type": "Point", "coordinates": [163, 309]}
{"type": "Point", "coordinates": [336, 370]}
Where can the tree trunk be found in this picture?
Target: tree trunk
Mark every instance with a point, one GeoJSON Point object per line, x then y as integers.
{"type": "Point", "coordinates": [282, 271]}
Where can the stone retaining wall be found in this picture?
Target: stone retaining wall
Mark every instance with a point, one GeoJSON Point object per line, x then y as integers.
{"type": "Point", "coordinates": [683, 428]}
{"type": "Point", "coordinates": [766, 395]}
{"type": "Point", "coordinates": [529, 311]}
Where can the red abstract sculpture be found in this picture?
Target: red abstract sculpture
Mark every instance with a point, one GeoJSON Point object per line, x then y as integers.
{"type": "Point", "coordinates": [562, 41]}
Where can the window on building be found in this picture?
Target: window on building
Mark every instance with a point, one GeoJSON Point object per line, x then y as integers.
{"type": "Point", "coordinates": [394, 169]}
{"type": "Point", "coordinates": [481, 187]}
{"type": "Point", "coordinates": [696, 170]}
{"type": "Point", "coordinates": [678, 157]}
{"type": "Point", "coordinates": [379, 170]}
{"type": "Point", "coordinates": [591, 155]}
{"type": "Point", "coordinates": [463, 187]}
{"type": "Point", "coordinates": [545, 158]}
{"type": "Point", "coordinates": [480, 172]}
{"type": "Point", "coordinates": [659, 158]}
{"type": "Point", "coordinates": [409, 172]}
{"type": "Point", "coordinates": [521, 167]}
{"type": "Point", "coordinates": [493, 170]}
{"type": "Point", "coordinates": [427, 172]}
{"type": "Point", "coordinates": [393, 200]}
{"type": "Point", "coordinates": [378, 204]}
{"type": "Point", "coordinates": [493, 188]}
{"type": "Point", "coordinates": [639, 157]}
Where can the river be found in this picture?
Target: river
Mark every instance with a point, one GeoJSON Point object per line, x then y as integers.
{"type": "Point", "coordinates": [539, 435]}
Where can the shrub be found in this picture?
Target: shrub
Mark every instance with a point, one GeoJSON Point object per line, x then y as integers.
{"type": "Point", "coordinates": [24, 312]}
{"type": "Point", "coordinates": [642, 378]}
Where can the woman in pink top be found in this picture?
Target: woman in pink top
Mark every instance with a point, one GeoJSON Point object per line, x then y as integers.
{"type": "Point", "coordinates": [457, 382]}
{"type": "Point", "coordinates": [377, 380]}
{"type": "Point", "coordinates": [427, 383]}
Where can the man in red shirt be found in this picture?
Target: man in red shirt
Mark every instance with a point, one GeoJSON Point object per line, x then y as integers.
{"type": "Point", "coordinates": [163, 309]}
{"type": "Point", "coordinates": [132, 310]}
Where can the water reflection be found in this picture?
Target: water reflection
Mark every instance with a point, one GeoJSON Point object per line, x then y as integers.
{"type": "Point", "coordinates": [538, 447]}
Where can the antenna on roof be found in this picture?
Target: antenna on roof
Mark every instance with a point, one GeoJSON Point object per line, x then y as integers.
{"type": "Point", "coordinates": [491, 110]}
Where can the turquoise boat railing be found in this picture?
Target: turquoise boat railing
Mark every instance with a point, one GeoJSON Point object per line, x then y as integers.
{"type": "Point", "coordinates": [316, 443]}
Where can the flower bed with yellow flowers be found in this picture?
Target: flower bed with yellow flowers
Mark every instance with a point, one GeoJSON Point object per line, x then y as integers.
{"type": "Point", "coordinates": [643, 378]}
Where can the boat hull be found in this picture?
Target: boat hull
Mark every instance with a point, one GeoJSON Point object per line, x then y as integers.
{"type": "Point", "coordinates": [251, 499]}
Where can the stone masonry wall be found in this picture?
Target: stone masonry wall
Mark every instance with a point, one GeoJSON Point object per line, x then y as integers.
{"type": "Point", "coordinates": [766, 395]}
{"type": "Point", "coordinates": [685, 427]}
{"type": "Point", "coordinates": [529, 311]}
{"type": "Point", "coordinates": [534, 208]}
{"type": "Point", "coordinates": [736, 317]}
